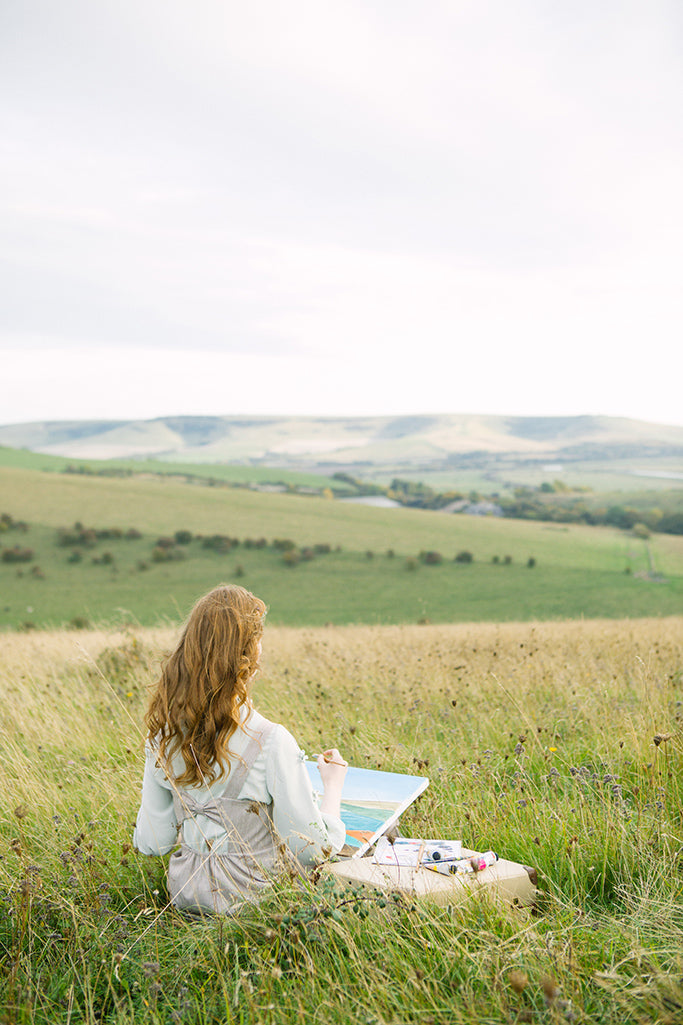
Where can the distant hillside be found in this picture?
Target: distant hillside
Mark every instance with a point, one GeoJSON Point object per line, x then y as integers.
{"type": "Point", "coordinates": [399, 441]}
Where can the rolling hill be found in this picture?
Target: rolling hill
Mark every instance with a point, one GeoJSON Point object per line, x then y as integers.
{"type": "Point", "coordinates": [347, 442]}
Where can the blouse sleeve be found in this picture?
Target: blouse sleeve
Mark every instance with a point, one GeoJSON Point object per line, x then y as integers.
{"type": "Point", "coordinates": [156, 828]}
{"type": "Point", "coordinates": [309, 833]}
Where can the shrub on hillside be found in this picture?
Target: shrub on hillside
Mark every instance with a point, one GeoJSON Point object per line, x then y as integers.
{"type": "Point", "coordinates": [77, 535]}
{"type": "Point", "coordinates": [464, 557]}
{"type": "Point", "coordinates": [182, 537]}
{"type": "Point", "coordinates": [78, 623]}
{"type": "Point", "coordinates": [291, 557]}
{"type": "Point", "coordinates": [109, 534]}
{"type": "Point", "coordinates": [8, 522]}
{"type": "Point", "coordinates": [411, 564]}
{"type": "Point", "coordinates": [283, 544]}
{"type": "Point", "coordinates": [106, 559]}
{"type": "Point", "coordinates": [217, 543]}
{"type": "Point", "coordinates": [431, 558]}
{"type": "Point", "coordinates": [17, 554]}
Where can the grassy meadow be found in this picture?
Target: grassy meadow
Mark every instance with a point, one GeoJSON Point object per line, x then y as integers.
{"type": "Point", "coordinates": [578, 570]}
{"type": "Point", "coordinates": [225, 473]}
{"type": "Point", "coordinates": [557, 744]}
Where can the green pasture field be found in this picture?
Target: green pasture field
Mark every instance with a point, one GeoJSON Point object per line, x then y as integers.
{"type": "Point", "coordinates": [578, 571]}
{"type": "Point", "coordinates": [219, 472]}
{"type": "Point", "coordinates": [603, 478]}
{"type": "Point", "coordinates": [558, 745]}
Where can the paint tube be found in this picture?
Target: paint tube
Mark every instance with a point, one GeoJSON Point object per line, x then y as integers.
{"type": "Point", "coordinates": [481, 861]}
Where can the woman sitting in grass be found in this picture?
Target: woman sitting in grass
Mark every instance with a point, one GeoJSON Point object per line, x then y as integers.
{"type": "Point", "coordinates": [221, 780]}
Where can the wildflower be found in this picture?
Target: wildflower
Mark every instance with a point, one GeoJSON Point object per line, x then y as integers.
{"type": "Point", "coordinates": [518, 981]}
{"type": "Point", "coordinates": [551, 990]}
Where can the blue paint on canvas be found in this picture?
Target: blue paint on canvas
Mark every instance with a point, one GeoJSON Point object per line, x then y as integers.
{"type": "Point", "coordinates": [371, 800]}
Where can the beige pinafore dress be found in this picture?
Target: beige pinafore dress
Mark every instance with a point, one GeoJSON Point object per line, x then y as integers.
{"type": "Point", "coordinates": [218, 882]}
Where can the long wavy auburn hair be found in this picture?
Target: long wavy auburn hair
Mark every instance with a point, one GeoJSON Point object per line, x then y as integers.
{"type": "Point", "coordinates": [195, 707]}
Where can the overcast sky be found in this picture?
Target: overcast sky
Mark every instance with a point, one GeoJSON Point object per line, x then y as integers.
{"type": "Point", "coordinates": [213, 206]}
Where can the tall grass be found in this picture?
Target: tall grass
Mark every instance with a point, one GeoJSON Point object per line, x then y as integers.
{"type": "Point", "coordinates": [558, 745]}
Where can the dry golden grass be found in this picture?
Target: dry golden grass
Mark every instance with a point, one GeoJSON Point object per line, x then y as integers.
{"type": "Point", "coordinates": [559, 744]}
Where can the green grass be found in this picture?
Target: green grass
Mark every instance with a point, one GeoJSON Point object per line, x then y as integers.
{"type": "Point", "coordinates": [502, 476]}
{"type": "Point", "coordinates": [215, 472]}
{"type": "Point", "coordinates": [579, 571]}
{"type": "Point", "coordinates": [540, 744]}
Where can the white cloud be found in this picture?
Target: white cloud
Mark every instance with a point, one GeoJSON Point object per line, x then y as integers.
{"type": "Point", "coordinates": [459, 207]}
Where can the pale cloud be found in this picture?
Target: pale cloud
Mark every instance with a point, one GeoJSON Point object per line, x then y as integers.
{"type": "Point", "coordinates": [459, 207]}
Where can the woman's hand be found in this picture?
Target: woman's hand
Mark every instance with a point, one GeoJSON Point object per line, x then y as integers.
{"type": "Point", "coordinates": [332, 769]}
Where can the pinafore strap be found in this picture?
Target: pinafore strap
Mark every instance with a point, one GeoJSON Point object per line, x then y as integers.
{"type": "Point", "coordinates": [236, 867]}
{"type": "Point", "coordinates": [186, 805]}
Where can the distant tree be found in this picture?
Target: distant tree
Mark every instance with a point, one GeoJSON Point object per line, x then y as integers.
{"type": "Point", "coordinates": [17, 554]}
{"type": "Point", "coordinates": [217, 543]}
{"type": "Point", "coordinates": [464, 557]}
{"type": "Point", "coordinates": [618, 516]}
{"type": "Point", "coordinates": [672, 524]}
